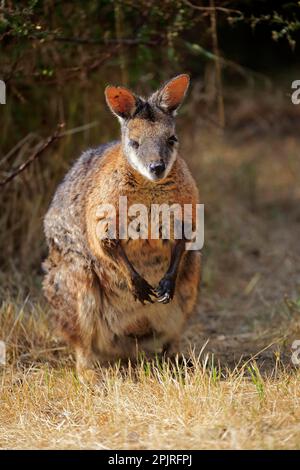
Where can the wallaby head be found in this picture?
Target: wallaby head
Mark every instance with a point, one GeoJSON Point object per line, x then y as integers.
{"type": "Point", "coordinates": [149, 141]}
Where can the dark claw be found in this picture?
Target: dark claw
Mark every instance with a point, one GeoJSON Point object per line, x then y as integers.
{"type": "Point", "coordinates": [164, 299]}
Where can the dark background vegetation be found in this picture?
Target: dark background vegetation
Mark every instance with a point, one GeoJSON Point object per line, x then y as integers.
{"type": "Point", "coordinates": [239, 131]}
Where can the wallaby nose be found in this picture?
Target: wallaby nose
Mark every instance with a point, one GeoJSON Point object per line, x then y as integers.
{"type": "Point", "coordinates": [157, 168]}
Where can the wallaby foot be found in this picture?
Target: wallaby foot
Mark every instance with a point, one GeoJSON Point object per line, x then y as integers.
{"type": "Point", "coordinates": [171, 349]}
{"type": "Point", "coordinates": [86, 373]}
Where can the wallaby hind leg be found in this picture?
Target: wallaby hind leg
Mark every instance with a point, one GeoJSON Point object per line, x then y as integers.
{"type": "Point", "coordinates": [85, 370]}
{"type": "Point", "coordinates": [74, 293]}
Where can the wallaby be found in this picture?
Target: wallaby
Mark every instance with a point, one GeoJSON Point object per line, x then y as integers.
{"type": "Point", "coordinates": [115, 298]}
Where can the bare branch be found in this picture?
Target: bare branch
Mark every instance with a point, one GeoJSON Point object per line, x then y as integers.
{"type": "Point", "coordinates": [83, 128]}
{"type": "Point", "coordinates": [91, 41]}
{"type": "Point", "coordinates": [213, 18]}
{"type": "Point", "coordinates": [42, 147]}
{"type": "Point", "coordinates": [20, 144]}
{"type": "Point", "coordinates": [228, 11]}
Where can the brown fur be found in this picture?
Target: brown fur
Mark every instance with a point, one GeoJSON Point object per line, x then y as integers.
{"type": "Point", "coordinates": [87, 285]}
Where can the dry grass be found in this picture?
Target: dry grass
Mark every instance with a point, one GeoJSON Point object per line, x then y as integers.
{"type": "Point", "coordinates": [239, 389]}
{"type": "Point", "coordinates": [153, 405]}
{"type": "Point", "coordinates": [48, 410]}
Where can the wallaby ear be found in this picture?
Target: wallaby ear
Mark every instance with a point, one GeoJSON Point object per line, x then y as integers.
{"type": "Point", "coordinates": [171, 95]}
{"type": "Point", "coordinates": [121, 101]}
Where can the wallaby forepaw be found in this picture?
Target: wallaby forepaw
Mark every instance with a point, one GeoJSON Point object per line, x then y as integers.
{"type": "Point", "coordinates": [142, 291]}
{"type": "Point", "coordinates": [165, 290]}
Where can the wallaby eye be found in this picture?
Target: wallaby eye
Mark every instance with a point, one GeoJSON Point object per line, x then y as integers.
{"type": "Point", "coordinates": [134, 144]}
{"type": "Point", "coordinates": [172, 140]}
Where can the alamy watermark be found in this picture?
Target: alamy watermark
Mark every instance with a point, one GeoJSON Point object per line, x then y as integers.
{"type": "Point", "coordinates": [296, 352]}
{"type": "Point", "coordinates": [295, 97]}
{"type": "Point", "coordinates": [2, 353]}
{"type": "Point", "coordinates": [161, 221]}
{"type": "Point", "coordinates": [2, 92]}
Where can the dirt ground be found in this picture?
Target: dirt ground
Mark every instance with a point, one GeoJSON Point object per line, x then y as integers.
{"type": "Point", "coordinates": [249, 303]}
